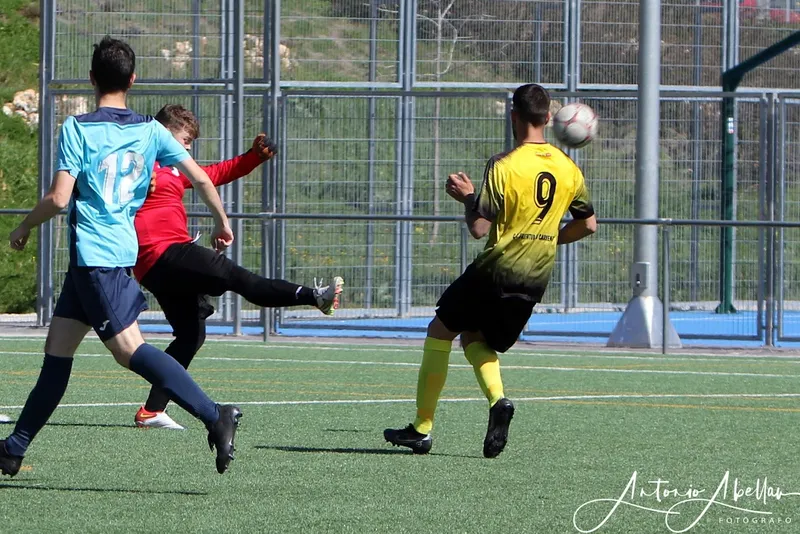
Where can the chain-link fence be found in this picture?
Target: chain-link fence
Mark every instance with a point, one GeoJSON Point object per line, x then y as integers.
{"type": "Point", "coordinates": [374, 102]}
{"type": "Point", "coordinates": [425, 42]}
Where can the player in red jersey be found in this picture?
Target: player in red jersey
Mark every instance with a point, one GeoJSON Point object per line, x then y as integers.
{"type": "Point", "coordinates": [180, 273]}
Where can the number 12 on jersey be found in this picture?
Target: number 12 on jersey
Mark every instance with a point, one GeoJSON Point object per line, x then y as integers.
{"type": "Point", "coordinates": [130, 170]}
{"type": "Point", "coordinates": [544, 195]}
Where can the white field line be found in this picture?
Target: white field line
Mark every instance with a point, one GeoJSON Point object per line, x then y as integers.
{"type": "Point", "coordinates": [455, 365]}
{"type": "Point", "coordinates": [579, 352]}
{"type": "Point", "coordinates": [605, 355]}
{"type": "Point", "coordinates": [611, 355]}
{"type": "Point", "coordinates": [467, 399]}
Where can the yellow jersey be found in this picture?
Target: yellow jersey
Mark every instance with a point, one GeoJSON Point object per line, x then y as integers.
{"type": "Point", "coordinates": [526, 193]}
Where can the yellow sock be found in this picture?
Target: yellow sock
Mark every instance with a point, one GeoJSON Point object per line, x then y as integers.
{"type": "Point", "coordinates": [432, 374]}
{"type": "Point", "coordinates": [487, 370]}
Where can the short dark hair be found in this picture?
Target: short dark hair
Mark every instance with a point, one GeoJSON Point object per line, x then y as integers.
{"type": "Point", "coordinates": [113, 63]}
{"type": "Point", "coordinates": [532, 103]}
{"type": "Point", "coordinates": [175, 117]}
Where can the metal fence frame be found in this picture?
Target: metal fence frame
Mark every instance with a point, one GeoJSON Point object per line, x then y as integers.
{"type": "Point", "coordinates": [777, 210]}
{"type": "Point", "coordinates": [233, 88]}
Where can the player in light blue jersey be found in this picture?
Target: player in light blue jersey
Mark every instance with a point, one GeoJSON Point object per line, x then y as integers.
{"type": "Point", "coordinates": [103, 173]}
{"type": "Point", "coordinates": [110, 152]}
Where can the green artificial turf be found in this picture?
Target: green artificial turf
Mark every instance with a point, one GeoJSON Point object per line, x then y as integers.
{"type": "Point", "coordinates": [584, 424]}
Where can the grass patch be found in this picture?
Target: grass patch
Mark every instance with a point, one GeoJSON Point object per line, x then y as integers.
{"type": "Point", "coordinates": [578, 435]}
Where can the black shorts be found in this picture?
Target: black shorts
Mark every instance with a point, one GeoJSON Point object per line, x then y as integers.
{"type": "Point", "coordinates": [473, 304]}
{"type": "Point", "coordinates": [182, 277]}
{"type": "Point", "coordinates": [188, 268]}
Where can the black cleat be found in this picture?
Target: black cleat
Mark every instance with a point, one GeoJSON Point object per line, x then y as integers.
{"type": "Point", "coordinates": [221, 435]}
{"type": "Point", "coordinates": [497, 434]}
{"type": "Point", "coordinates": [409, 437]}
{"type": "Point", "coordinates": [9, 464]}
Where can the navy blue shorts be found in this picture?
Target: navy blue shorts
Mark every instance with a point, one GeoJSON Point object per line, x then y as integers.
{"type": "Point", "coordinates": [106, 298]}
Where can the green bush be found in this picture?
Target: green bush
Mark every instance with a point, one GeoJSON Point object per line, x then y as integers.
{"type": "Point", "coordinates": [19, 33]}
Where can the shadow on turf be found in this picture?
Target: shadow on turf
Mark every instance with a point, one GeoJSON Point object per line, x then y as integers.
{"type": "Point", "coordinates": [341, 450]}
{"type": "Point", "coordinates": [91, 425]}
{"type": "Point", "coordinates": [344, 450]}
{"type": "Point", "coordinates": [102, 490]}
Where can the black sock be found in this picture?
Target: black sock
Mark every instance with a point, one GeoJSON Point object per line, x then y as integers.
{"type": "Point", "coordinates": [163, 371]}
{"type": "Point", "coordinates": [41, 403]}
{"type": "Point", "coordinates": [189, 337]}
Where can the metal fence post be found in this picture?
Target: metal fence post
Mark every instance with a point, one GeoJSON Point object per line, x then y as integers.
{"type": "Point", "coordinates": [371, 130]}
{"type": "Point", "coordinates": [569, 264]}
{"type": "Point", "coordinates": [763, 176]}
{"type": "Point", "coordinates": [780, 192]}
{"type": "Point", "coordinates": [226, 73]}
{"type": "Point", "coordinates": [770, 198]}
{"type": "Point", "coordinates": [636, 327]}
{"type": "Point", "coordinates": [406, 19]}
{"type": "Point", "coordinates": [696, 133]}
{"type": "Point", "coordinates": [50, 115]}
{"type": "Point", "coordinates": [278, 193]}
{"type": "Point", "coordinates": [572, 36]}
{"type": "Point", "coordinates": [730, 116]}
{"type": "Point", "coordinates": [411, 77]}
{"type": "Point", "coordinates": [398, 201]}
{"type": "Point", "coordinates": [406, 199]}
{"type": "Point", "coordinates": [569, 258]}
{"type": "Point", "coordinates": [267, 33]}
{"type": "Point", "coordinates": [266, 313]}
{"type": "Point", "coordinates": [194, 222]}
{"type": "Point", "coordinates": [274, 107]}
{"type": "Point", "coordinates": [44, 257]}
{"type": "Point", "coordinates": [236, 145]}
{"type": "Point", "coordinates": [665, 287]}
{"type": "Point", "coordinates": [537, 43]}
{"type": "Point", "coordinates": [280, 188]}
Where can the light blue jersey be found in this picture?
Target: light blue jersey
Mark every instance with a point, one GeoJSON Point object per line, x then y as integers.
{"type": "Point", "coordinates": [111, 153]}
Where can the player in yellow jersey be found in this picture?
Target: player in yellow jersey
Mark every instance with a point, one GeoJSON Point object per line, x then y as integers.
{"type": "Point", "coordinates": [526, 193]}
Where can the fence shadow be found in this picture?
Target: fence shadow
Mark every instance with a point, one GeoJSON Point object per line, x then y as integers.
{"type": "Point", "coordinates": [355, 450]}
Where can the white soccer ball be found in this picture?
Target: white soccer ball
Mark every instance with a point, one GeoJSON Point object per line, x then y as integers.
{"type": "Point", "coordinates": [575, 125]}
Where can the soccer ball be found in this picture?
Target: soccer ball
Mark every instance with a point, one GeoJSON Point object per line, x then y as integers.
{"type": "Point", "coordinates": [575, 125]}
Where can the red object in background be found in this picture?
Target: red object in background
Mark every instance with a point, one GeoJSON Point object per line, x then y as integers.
{"type": "Point", "coordinates": [777, 11]}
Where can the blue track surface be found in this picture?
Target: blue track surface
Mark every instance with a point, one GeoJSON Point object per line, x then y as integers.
{"type": "Point", "coordinates": [559, 327]}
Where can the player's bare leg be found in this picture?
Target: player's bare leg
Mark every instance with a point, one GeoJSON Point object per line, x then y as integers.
{"type": "Point", "coordinates": [65, 336]}
{"type": "Point", "coordinates": [63, 339]}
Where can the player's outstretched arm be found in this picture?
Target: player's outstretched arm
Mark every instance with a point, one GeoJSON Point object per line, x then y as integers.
{"type": "Point", "coordinates": [55, 200]}
{"type": "Point", "coordinates": [577, 229]}
{"type": "Point", "coordinates": [222, 236]}
{"type": "Point", "coordinates": [225, 172]}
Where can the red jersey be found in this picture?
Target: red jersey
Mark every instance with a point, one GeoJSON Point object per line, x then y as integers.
{"type": "Point", "coordinates": [162, 219]}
